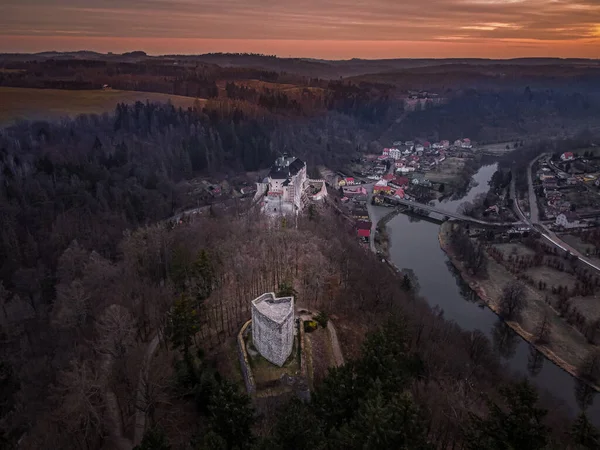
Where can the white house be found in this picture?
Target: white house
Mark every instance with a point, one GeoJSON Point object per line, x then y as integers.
{"type": "Point", "coordinates": [419, 148]}
{"type": "Point", "coordinates": [567, 220]}
{"type": "Point", "coordinates": [395, 153]}
{"type": "Point", "coordinates": [567, 156]}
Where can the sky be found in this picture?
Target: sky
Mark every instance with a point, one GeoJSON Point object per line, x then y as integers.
{"type": "Point", "coordinates": [331, 29]}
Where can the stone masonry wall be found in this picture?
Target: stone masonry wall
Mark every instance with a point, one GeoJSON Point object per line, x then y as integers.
{"type": "Point", "coordinates": [244, 361]}
{"type": "Point", "coordinates": [274, 341]}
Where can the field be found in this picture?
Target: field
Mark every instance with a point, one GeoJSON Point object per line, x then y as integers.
{"type": "Point", "coordinates": [448, 171]}
{"type": "Point", "coordinates": [514, 249]}
{"type": "Point", "coordinates": [496, 149]}
{"type": "Point", "coordinates": [26, 103]}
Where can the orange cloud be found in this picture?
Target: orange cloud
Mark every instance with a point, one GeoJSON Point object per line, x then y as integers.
{"type": "Point", "coordinates": [319, 28]}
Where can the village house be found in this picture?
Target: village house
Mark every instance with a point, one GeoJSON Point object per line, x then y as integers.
{"type": "Point", "coordinates": [419, 148]}
{"type": "Point", "coordinates": [420, 180]}
{"type": "Point", "coordinates": [399, 182]}
{"type": "Point", "coordinates": [466, 143]}
{"type": "Point", "coordinates": [445, 144]}
{"type": "Point", "coordinates": [458, 143]}
{"type": "Point", "coordinates": [395, 153]}
{"type": "Point", "coordinates": [353, 191]}
{"type": "Point", "coordinates": [567, 220]}
{"type": "Point", "coordinates": [567, 156]}
{"type": "Point", "coordinates": [410, 144]}
{"type": "Point", "coordinates": [363, 229]}
{"type": "Point", "coordinates": [348, 181]}
{"type": "Point", "coordinates": [360, 214]}
{"type": "Point", "coordinates": [383, 189]}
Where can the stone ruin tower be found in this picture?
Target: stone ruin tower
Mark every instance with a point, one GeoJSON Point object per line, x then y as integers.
{"type": "Point", "coordinates": [273, 327]}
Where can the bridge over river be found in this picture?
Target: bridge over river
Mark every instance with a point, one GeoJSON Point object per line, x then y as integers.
{"type": "Point", "coordinates": [454, 215]}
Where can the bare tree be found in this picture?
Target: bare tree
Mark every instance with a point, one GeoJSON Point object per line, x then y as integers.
{"type": "Point", "coordinates": [512, 300]}
{"type": "Point", "coordinates": [72, 305]}
{"type": "Point", "coordinates": [116, 331]}
{"type": "Point", "coordinates": [81, 403]}
{"type": "Point", "coordinates": [544, 330]}
{"type": "Point", "coordinates": [589, 370]}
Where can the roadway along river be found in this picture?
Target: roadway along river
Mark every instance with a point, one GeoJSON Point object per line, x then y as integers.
{"type": "Point", "coordinates": [415, 245]}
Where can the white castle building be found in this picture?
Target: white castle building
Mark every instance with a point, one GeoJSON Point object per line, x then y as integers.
{"type": "Point", "coordinates": [273, 327]}
{"type": "Point", "coordinates": [285, 187]}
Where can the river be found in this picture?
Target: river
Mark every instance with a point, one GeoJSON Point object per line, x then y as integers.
{"type": "Point", "coordinates": [415, 245]}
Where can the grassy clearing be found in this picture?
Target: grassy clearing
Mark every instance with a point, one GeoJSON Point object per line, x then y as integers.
{"type": "Point", "coordinates": [321, 353]}
{"type": "Point", "coordinates": [579, 245]}
{"type": "Point", "coordinates": [514, 249]}
{"type": "Point", "coordinates": [266, 373]}
{"type": "Point", "coordinates": [567, 346]}
{"type": "Point", "coordinates": [499, 148]}
{"type": "Point", "coordinates": [449, 170]}
{"type": "Point", "coordinates": [551, 277]}
{"type": "Point", "coordinates": [26, 103]}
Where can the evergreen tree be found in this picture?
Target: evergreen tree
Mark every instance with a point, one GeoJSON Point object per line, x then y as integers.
{"type": "Point", "coordinates": [154, 439]}
{"type": "Point", "coordinates": [183, 324]}
{"type": "Point", "coordinates": [513, 426]}
{"type": "Point", "coordinates": [231, 415]}
{"type": "Point", "coordinates": [584, 433]}
{"type": "Point", "coordinates": [298, 428]}
{"type": "Point", "coordinates": [385, 421]}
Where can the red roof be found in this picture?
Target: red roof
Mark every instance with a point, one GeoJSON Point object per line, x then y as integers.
{"type": "Point", "coordinates": [363, 225]}
{"type": "Point", "coordinates": [364, 233]}
{"type": "Point", "coordinates": [568, 154]}
{"type": "Point", "coordinates": [401, 181]}
{"type": "Point", "coordinates": [349, 179]}
{"type": "Point", "coordinates": [388, 177]}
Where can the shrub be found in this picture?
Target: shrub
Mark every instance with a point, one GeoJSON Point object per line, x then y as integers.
{"type": "Point", "coordinates": [322, 319]}
{"type": "Point", "coordinates": [310, 326]}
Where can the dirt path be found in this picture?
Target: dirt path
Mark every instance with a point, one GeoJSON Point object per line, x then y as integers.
{"type": "Point", "coordinates": [140, 415]}
{"type": "Point", "coordinates": [335, 345]}
{"type": "Point", "coordinates": [116, 439]}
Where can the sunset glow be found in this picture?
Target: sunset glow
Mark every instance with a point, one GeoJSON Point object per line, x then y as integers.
{"type": "Point", "coordinates": [308, 28]}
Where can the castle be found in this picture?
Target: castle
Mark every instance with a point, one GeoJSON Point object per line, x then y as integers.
{"type": "Point", "coordinates": [284, 189]}
{"type": "Point", "coordinates": [273, 327]}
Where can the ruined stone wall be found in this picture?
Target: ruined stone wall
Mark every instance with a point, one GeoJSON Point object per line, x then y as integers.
{"type": "Point", "coordinates": [274, 341]}
{"type": "Point", "coordinates": [244, 361]}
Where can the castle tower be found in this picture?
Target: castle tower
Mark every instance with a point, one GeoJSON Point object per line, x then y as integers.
{"type": "Point", "coordinates": [273, 327]}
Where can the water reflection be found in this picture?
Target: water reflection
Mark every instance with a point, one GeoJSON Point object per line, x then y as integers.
{"type": "Point", "coordinates": [505, 339]}
{"type": "Point", "coordinates": [584, 394]}
{"type": "Point", "coordinates": [416, 245]}
{"type": "Point", "coordinates": [535, 361]}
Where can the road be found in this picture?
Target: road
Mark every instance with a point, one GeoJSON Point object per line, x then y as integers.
{"type": "Point", "coordinates": [534, 222]}
{"type": "Point", "coordinates": [533, 206]}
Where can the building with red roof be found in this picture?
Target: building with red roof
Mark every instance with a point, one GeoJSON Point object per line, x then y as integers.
{"type": "Point", "coordinates": [363, 228]}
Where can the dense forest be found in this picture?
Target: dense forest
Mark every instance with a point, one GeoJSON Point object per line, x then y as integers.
{"type": "Point", "coordinates": [507, 115]}
{"type": "Point", "coordinates": [114, 322]}
{"type": "Point", "coordinates": [74, 370]}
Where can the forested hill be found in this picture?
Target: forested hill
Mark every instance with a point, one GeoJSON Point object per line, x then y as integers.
{"type": "Point", "coordinates": [92, 177]}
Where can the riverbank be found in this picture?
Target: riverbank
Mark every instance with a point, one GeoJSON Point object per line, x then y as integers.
{"type": "Point", "coordinates": [565, 347]}
{"type": "Point", "coordinates": [382, 238]}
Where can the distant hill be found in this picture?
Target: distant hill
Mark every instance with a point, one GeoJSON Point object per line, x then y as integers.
{"type": "Point", "coordinates": [309, 67]}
